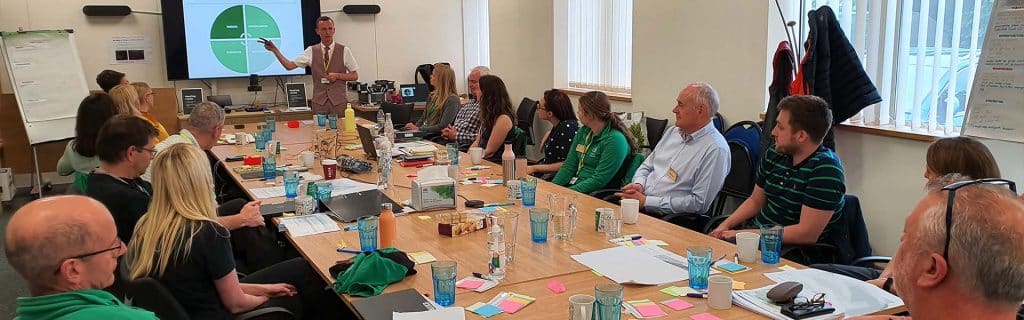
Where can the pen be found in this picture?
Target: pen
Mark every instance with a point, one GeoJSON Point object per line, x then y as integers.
{"type": "Point", "coordinates": [349, 251]}
{"type": "Point", "coordinates": [697, 295]}
{"type": "Point", "coordinates": [500, 204]}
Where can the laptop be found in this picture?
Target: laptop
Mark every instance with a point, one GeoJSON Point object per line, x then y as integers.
{"type": "Point", "coordinates": [224, 101]}
{"type": "Point", "coordinates": [366, 139]}
{"type": "Point", "coordinates": [350, 207]}
{"type": "Point", "coordinates": [382, 306]}
{"type": "Point", "coordinates": [414, 92]}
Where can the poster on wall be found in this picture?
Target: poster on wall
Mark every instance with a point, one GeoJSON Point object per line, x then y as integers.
{"type": "Point", "coordinates": [995, 108]}
{"type": "Point", "coordinates": [130, 49]}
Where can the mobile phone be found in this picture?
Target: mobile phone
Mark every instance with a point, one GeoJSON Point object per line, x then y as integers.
{"type": "Point", "coordinates": [234, 158]}
{"type": "Point", "coordinates": [796, 311]}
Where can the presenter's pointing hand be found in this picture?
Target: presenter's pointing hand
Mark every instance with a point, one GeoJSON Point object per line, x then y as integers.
{"type": "Point", "coordinates": [269, 45]}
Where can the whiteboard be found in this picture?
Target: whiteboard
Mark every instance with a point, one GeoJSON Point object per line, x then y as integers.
{"type": "Point", "coordinates": [995, 108]}
{"type": "Point", "coordinates": [48, 81]}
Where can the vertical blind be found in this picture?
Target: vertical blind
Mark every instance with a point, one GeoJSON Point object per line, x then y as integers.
{"type": "Point", "coordinates": [600, 45]}
{"type": "Point", "coordinates": [922, 55]}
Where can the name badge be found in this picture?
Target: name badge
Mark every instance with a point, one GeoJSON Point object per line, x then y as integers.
{"type": "Point", "coordinates": [573, 180]}
{"type": "Point", "coordinates": [324, 81]}
{"type": "Point", "coordinates": [672, 175]}
{"type": "Point", "coordinates": [580, 148]}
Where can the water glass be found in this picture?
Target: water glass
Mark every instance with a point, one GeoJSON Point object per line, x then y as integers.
{"type": "Point", "coordinates": [509, 222]}
{"type": "Point", "coordinates": [269, 168]}
{"type": "Point", "coordinates": [613, 227]}
{"type": "Point", "coordinates": [368, 233]}
{"type": "Point", "coordinates": [305, 205]}
{"type": "Point", "coordinates": [539, 224]}
{"type": "Point", "coordinates": [323, 191]}
{"type": "Point", "coordinates": [261, 140]}
{"type": "Point", "coordinates": [444, 273]}
{"type": "Point", "coordinates": [332, 120]}
{"type": "Point", "coordinates": [609, 301]}
{"type": "Point", "coordinates": [600, 217]}
{"type": "Point", "coordinates": [563, 215]}
{"type": "Point", "coordinates": [698, 259]}
{"type": "Point", "coordinates": [453, 153]}
{"type": "Point", "coordinates": [291, 185]}
{"type": "Point", "coordinates": [528, 187]}
{"type": "Point", "coordinates": [272, 123]}
{"type": "Point", "coordinates": [771, 243]}
{"type": "Point", "coordinates": [321, 120]}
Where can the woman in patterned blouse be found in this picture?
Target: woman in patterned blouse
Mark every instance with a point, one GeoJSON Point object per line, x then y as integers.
{"type": "Point", "coordinates": [556, 108]}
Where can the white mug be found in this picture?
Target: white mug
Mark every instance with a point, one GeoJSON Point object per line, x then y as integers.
{"type": "Point", "coordinates": [630, 210]}
{"type": "Point", "coordinates": [719, 292]}
{"type": "Point", "coordinates": [476, 155]}
{"type": "Point", "coordinates": [308, 159]}
{"type": "Point", "coordinates": [746, 245]}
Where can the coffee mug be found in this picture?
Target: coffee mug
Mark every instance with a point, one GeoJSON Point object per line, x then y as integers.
{"type": "Point", "coordinates": [476, 155]}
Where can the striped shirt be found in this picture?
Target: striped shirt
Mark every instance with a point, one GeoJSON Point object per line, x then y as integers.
{"type": "Point", "coordinates": [817, 182]}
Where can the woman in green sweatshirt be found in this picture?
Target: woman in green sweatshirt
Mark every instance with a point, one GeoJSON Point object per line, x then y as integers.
{"type": "Point", "coordinates": [80, 154]}
{"type": "Point", "coordinates": [599, 148]}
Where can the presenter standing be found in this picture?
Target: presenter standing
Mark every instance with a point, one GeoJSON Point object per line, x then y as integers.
{"type": "Point", "coordinates": [330, 70]}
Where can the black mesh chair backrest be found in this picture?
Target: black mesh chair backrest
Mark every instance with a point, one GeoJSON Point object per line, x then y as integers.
{"type": "Point", "coordinates": [150, 294]}
{"type": "Point", "coordinates": [740, 180]}
{"type": "Point", "coordinates": [655, 130]}
{"type": "Point", "coordinates": [524, 117]}
{"type": "Point", "coordinates": [400, 113]}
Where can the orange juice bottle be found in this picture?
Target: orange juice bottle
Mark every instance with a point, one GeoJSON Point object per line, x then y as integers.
{"type": "Point", "coordinates": [388, 227]}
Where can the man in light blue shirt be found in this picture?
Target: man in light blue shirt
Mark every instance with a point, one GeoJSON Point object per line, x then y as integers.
{"type": "Point", "coordinates": [689, 164]}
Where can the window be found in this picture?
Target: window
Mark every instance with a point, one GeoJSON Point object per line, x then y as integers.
{"type": "Point", "coordinates": [599, 45]}
{"type": "Point", "coordinates": [921, 54]}
{"type": "Point", "coordinates": [476, 34]}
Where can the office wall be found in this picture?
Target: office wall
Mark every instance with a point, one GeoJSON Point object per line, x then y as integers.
{"type": "Point", "coordinates": [387, 46]}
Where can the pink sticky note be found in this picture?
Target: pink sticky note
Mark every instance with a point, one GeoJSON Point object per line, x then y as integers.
{"type": "Point", "coordinates": [677, 304]}
{"type": "Point", "coordinates": [510, 306]}
{"type": "Point", "coordinates": [470, 284]}
{"type": "Point", "coordinates": [704, 316]}
{"type": "Point", "coordinates": [650, 310]}
{"type": "Point", "coordinates": [556, 286]}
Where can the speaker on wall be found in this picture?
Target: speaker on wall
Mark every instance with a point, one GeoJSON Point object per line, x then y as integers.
{"type": "Point", "coordinates": [106, 10]}
{"type": "Point", "coordinates": [361, 9]}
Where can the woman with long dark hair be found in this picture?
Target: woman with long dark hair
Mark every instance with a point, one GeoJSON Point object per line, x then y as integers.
{"type": "Point", "coordinates": [80, 154]}
{"type": "Point", "coordinates": [497, 117]}
{"type": "Point", "coordinates": [555, 108]}
{"type": "Point", "coordinates": [599, 148]}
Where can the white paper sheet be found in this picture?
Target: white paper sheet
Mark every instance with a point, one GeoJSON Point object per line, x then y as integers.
{"type": "Point", "coordinates": [632, 265]}
{"type": "Point", "coordinates": [850, 297]}
{"type": "Point", "coordinates": [309, 224]}
{"type": "Point", "coordinates": [453, 313]}
{"type": "Point", "coordinates": [339, 186]}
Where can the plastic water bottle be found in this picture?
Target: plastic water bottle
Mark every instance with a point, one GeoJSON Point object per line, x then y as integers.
{"type": "Point", "coordinates": [389, 128]}
{"type": "Point", "coordinates": [380, 118]}
{"type": "Point", "coordinates": [383, 147]}
{"type": "Point", "coordinates": [496, 251]}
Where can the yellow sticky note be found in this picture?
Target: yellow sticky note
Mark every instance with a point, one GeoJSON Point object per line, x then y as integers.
{"type": "Point", "coordinates": [738, 285]}
{"type": "Point", "coordinates": [422, 257]}
{"type": "Point", "coordinates": [657, 242]}
{"type": "Point", "coordinates": [424, 217]}
{"type": "Point", "coordinates": [597, 273]}
{"type": "Point", "coordinates": [287, 214]}
{"type": "Point", "coordinates": [787, 268]}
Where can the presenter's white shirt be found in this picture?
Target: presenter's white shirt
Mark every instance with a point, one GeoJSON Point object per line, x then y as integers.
{"type": "Point", "coordinates": [306, 57]}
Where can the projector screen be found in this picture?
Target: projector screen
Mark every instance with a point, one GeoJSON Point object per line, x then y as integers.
{"type": "Point", "coordinates": [219, 39]}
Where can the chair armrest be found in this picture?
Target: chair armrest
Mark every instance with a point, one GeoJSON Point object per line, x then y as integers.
{"type": "Point", "coordinates": [603, 193]}
{"type": "Point", "coordinates": [869, 261]}
{"type": "Point", "coordinates": [802, 251]}
{"type": "Point", "coordinates": [284, 313]}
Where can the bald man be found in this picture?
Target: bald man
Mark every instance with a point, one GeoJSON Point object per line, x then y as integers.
{"type": "Point", "coordinates": [66, 249]}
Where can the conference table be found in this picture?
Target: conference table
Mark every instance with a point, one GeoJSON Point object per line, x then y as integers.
{"type": "Point", "coordinates": [534, 265]}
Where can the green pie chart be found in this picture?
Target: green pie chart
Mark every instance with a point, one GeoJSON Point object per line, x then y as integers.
{"type": "Point", "coordinates": [234, 38]}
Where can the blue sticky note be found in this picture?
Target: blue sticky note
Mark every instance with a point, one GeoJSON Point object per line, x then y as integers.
{"type": "Point", "coordinates": [488, 209]}
{"type": "Point", "coordinates": [487, 310]}
{"type": "Point", "coordinates": [732, 267]}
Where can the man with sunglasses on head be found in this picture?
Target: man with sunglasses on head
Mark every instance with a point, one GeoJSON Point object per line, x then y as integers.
{"type": "Point", "coordinates": [961, 255]}
{"type": "Point", "coordinates": [66, 249]}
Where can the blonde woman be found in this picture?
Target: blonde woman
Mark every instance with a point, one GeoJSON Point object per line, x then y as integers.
{"type": "Point", "coordinates": [127, 99]}
{"type": "Point", "coordinates": [179, 243]}
{"type": "Point", "coordinates": [442, 104]}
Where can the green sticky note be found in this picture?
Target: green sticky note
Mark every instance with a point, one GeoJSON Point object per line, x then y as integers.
{"type": "Point", "coordinates": [597, 273]}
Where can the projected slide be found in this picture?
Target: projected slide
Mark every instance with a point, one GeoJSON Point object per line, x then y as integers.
{"type": "Point", "coordinates": [222, 37]}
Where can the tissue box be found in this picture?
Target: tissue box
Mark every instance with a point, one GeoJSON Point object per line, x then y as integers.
{"type": "Point", "coordinates": [459, 223]}
{"type": "Point", "coordinates": [433, 194]}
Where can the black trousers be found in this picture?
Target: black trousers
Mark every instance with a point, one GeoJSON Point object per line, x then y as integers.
{"type": "Point", "coordinates": [254, 248]}
{"type": "Point", "coordinates": [313, 301]}
{"type": "Point", "coordinates": [859, 273]}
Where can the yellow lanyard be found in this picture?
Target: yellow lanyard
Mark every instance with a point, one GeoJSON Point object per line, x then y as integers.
{"type": "Point", "coordinates": [330, 56]}
{"type": "Point", "coordinates": [586, 148]}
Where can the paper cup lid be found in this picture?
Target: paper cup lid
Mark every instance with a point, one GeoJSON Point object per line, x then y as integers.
{"type": "Point", "coordinates": [329, 162]}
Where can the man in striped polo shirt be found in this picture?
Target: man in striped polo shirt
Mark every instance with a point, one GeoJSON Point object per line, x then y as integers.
{"type": "Point", "coordinates": [799, 182]}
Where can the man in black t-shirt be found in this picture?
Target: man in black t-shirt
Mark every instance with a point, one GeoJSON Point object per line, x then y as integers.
{"type": "Point", "coordinates": [125, 146]}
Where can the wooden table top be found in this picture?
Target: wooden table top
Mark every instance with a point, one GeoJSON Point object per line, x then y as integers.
{"type": "Point", "coordinates": [534, 264]}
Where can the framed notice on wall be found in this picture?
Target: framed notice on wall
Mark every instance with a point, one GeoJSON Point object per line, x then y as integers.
{"type": "Point", "coordinates": [296, 95]}
{"type": "Point", "coordinates": [190, 97]}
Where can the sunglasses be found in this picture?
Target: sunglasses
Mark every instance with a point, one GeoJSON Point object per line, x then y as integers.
{"type": "Point", "coordinates": [952, 188]}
